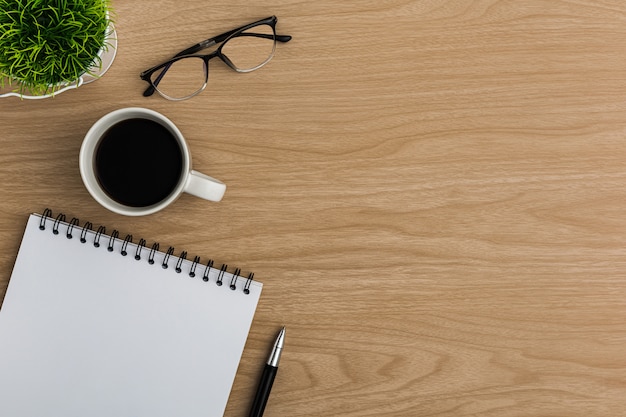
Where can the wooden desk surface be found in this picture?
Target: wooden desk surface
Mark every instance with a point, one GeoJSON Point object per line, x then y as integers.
{"type": "Point", "coordinates": [432, 192]}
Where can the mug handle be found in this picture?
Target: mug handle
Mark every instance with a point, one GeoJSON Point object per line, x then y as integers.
{"type": "Point", "coordinates": [203, 186]}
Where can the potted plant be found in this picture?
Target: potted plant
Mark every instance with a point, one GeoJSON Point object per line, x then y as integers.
{"type": "Point", "coordinates": [49, 46]}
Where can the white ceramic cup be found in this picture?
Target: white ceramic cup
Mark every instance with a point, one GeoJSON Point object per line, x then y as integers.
{"type": "Point", "coordinates": [190, 181]}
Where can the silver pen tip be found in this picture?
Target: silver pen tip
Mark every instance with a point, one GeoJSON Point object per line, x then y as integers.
{"type": "Point", "coordinates": [280, 340]}
{"type": "Point", "coordinates": [278, 349]}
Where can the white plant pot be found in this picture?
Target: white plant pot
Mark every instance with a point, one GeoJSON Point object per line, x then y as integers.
{"type": "Point", "coordinates": [106, 54]}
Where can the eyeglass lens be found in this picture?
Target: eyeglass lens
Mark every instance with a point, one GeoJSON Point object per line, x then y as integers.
{"type": "Point", "coordinates": [182, 78]}
{"type": "Point", "coordinates": [250, 49]}
{"type": "Point", "coordinates": [245, 51]}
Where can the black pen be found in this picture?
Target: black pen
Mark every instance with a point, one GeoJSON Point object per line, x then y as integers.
{"type": "Point", "coordinates": [267, 379]}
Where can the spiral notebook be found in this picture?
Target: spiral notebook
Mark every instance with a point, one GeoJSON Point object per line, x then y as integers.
{"type": "Point", "coordinates": [93, 324]}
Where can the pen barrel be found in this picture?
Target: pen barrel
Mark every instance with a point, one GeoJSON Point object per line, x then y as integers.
{"type": "Point", "coordinates": [263, 391]}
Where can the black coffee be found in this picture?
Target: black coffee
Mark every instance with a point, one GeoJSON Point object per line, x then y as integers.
{"type": "Point", "coordinates": [138, 162]}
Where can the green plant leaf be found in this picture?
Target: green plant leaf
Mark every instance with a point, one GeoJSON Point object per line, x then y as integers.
{"type": "Point", "coordinates": [45, 43]}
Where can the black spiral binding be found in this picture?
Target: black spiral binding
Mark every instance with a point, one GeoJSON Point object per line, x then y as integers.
{"type": "Point", "coordinates": [181, 259]}
{"type": "Point", "coordinates": [153, 251]}
{"type": "Point", "coordinates": [192, 270]}
{"type": "Point", "coordinates": [140, 246]}
{"type": "Point", "coordinates": [114, 238]}
{"type": "Point", "coordinates": [128, 239]}
{"type": "Point", "coordinates": [99, 233]}
{"type": "Point", "coordinates": [83, 233]}
{"type": "Point", "coordinates": [115, 235]}
{"type": "Point", "coordinates": [70, 227]}
{"type": "Point", "coordinates": [209, 265]}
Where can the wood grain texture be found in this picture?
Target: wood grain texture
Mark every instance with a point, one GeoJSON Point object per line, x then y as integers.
{"type": "Point", "coordinates": [432, 192]}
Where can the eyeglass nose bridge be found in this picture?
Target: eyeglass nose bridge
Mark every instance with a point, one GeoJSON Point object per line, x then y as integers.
{"type": "Point", "coordinates": [227, 61]}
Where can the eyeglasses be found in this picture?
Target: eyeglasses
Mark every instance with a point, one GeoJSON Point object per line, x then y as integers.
{"type": "Point", "coordinates": [245, 49]}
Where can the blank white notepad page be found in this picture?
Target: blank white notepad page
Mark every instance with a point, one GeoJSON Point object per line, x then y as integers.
{"type": "Point", "coordinates": [85, 332]}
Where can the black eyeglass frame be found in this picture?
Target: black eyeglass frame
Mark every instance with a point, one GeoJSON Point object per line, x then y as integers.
{"type": "Point", "coordinates": [207, 43]}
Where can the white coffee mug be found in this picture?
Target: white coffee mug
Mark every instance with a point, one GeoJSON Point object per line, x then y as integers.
{"type": "Point", "coordinates": [188, 180]}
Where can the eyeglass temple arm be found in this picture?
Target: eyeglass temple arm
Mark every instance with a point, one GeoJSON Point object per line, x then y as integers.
{"type": "Point", "coordinates": [279, 38]}
{"type": "Point", "coordinates": [221, 38]}
{"type": "Point", "coordinates": [207, 43]}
